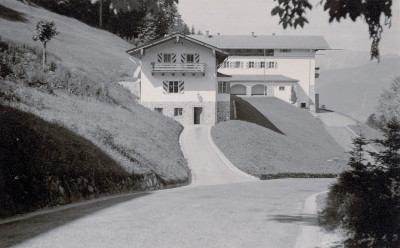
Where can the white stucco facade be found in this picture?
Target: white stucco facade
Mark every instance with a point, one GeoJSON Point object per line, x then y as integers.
{"type": "Point", "coordinates": [298, 65]}
{"type": "Point", "coordinates": [191, 78]}
{"type": "Point", "coordinates": [195, 102]}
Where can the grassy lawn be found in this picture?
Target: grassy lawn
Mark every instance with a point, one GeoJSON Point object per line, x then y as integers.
{"type": "Point", "coordinates": [304, 148]}
{"type": "Point", "coordinates": [81, 94]}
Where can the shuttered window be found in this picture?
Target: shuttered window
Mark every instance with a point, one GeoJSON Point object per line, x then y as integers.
{"type": "Point", "coordinates": [173, 87]}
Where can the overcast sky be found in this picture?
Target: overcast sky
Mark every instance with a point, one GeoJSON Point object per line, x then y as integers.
{"type": "Point", "coordinates": [246, 16]}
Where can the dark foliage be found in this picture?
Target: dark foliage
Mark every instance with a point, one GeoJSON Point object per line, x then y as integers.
{"type": "Point", "coordinates": [292, 13]}
{"type": "Point", "coordinates": [21, 64]}
{"type": "Point", "coordinates": [11, 15]}
{"type": "Point", "coordinates": [366, 200]}
{"type": "Point", "coordinates": [34, 154]}
{"type": "Point", "coordinates": [124, 19]}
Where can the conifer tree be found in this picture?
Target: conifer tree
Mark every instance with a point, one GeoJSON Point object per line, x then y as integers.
{"type": "Point", "coordinates": [147, 29]}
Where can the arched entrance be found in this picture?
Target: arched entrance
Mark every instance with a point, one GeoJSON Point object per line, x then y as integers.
{"type": "Point", "coordinates": [238, 89]}
{"type": "Point", "coordinates": [259, 90]}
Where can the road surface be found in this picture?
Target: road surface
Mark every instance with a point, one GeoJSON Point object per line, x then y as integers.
{"type": "Point", "coordinates": [223, 208]}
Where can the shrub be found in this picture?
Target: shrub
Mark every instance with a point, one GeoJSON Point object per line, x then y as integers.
{"type": "Point", "coordinates": [365, 201]}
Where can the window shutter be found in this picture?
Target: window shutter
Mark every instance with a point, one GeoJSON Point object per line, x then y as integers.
{"type": "Point", "coordinates": [173, 58]}
{"type": "Point", "coordinates": [181, 87]}
{"type": "Point", "coordinates": [228, 87]}
{"type": "Point", "coordinates": [197, 58]}
{"type": "Point", "coordinates": [276, 65]}
{"type": "Point", "coordinates": [257, 65]}
{"type": "Point", "coordinates": [165, 87]}
{"type": "Point", "coordinates": [247, 64]}
{"type": "Point", "coordinates": [241, 64]}
{"type": "Point", "coordinates": [160, 57]}
{"type": "Point", "coordinates": [183, 57]}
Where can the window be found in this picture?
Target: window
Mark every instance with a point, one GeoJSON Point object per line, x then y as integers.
{"type": "Point", "coordinates": [223, 87]}
{"type": "Point", "coordinates": [262, 64]}
{"type": "Point", "coordinates": [271, 64]}
{"type": "Point", "coordinates": [237, 64]}
{"type": "Point", "coordinates": [225, 64]}
{"type": "Point", "coordinates": [281, 88]}
{"type": "Point", "coordinates": [269, 52]}
{"type": "Point", "coordinates": [251, 64]}
{"type": "Point", "coordinates": [167, 58]}
{"type": "Point", "coordinates": [173, 87]}
{"type": "Point", "coordinates": [285, 50]}
{"type": "Point", "coordinates": [189, 58]}
{"type": "Point", "coordinates": [178, 111]}
{"type": "Point", "coordinates": [159, 110]}
{"type": "Point", "coordinates": [303, 105]}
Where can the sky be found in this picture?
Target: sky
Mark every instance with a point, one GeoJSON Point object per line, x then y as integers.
{"type": "Point", "coordinates": [246, 16]}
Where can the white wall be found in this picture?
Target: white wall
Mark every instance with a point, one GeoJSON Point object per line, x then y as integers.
{"type": "Point", "coordinates": [299, 65]}
{"type": "Point", "coordinates": [152, 85]}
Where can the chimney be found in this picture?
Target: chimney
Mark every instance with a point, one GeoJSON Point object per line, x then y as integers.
{"type": "Point", "coordinates": [252, 34]}
{"type": "Point", "coordinates": [218, 33]}
{"type": "Point", "coordinates": [207, 34]}
{"type": "Point", "coordinates": [273, 34]}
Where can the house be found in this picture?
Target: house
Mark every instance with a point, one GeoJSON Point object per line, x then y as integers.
{"type": "Point", "coordinates": [190, 77]}
{"type": "Point", "coordinates": [179, 79]}
{"type": "Point", "coordinates": [270, 65]}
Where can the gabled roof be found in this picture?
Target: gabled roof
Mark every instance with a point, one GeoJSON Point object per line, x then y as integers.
{"type": "Point", "coordinates": [264, 41]}
{"type": "Point", "coordinates": [152, 43]}
{"type": "Point", "coordinates": [262, 78]}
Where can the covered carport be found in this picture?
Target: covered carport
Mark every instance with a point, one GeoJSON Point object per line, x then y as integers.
{"type": "Point", "coordinates": [259, 90]}
{"type": "Point", "coordinates": [238, 89]}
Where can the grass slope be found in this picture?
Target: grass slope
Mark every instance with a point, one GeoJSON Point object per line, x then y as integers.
{"type": "Point", "coordinates": [35, 153]}
{"type": "Point", "coordinates": [305, 148]}
{"type": "Point", "coordinates": [80, 47]}
{"type": "Point", "coordinates": [89, 61]}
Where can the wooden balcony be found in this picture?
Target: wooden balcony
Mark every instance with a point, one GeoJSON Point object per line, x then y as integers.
{"type": "Point", "coordinates": [178, 67]}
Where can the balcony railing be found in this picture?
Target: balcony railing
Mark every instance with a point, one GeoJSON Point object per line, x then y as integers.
{"type": "Point", "coordinates": [316, 72]}
{"type": "Point", "coordinates": [177, 67]}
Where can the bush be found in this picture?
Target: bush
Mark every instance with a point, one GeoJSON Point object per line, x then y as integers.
{"type": "Point", "coordinates": [365, 201]}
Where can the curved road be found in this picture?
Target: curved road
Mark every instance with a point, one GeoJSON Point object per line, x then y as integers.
{"type": "Point", "coordinates": [223, 208]}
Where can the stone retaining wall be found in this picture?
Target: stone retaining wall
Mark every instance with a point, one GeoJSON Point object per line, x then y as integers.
{"type": "Point", "coordinates": [187, 118]}
{"type": "Point", "coordinates": [223, 111]}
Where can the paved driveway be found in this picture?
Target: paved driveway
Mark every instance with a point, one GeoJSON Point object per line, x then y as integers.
{"type": "Point", "coordinates": [223, 208]}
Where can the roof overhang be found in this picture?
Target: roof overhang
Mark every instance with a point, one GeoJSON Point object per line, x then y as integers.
{"type": "Point", "coordinates": [139, 51]}
{"type": "Point", "coordinates": [261, 78]}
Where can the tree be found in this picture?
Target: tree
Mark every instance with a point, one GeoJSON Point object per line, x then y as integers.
{"type": "Point", "coordinates": [390, 156]}
{"type": "Point", "coordinates": [147, 29]}
{"type": "Point", "coordinates": [45, 32]}
{"type": "Point", "coordinates": [292, 13]}
{"type": "Point", "coordinates": [293, 96]}
{"type": "Point", "coordinates": [389, 101]}
{"type": "Point", "coordinates": [365, 201]}
{"type": "Point", "coordinates": [130, 5]}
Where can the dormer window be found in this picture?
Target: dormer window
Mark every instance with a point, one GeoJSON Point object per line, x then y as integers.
{"type": "Point", "coordinates": [269, 52]}
{"type": "Point", "coordinates": [189, 58]}
{"type": "Point", "coordinates": [167, 58]}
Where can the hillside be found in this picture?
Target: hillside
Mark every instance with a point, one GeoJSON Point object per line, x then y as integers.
{"type": "Point", "coordinates": [79, 92]}
{"type": "Point", "coordinates": [39, 165]}
{"type": "Point", "coordinates": [88, 50]}
{"type": "Point", "coordinates": [355, 91]}
{"type": "Point", "coordinates": [304, 148]}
